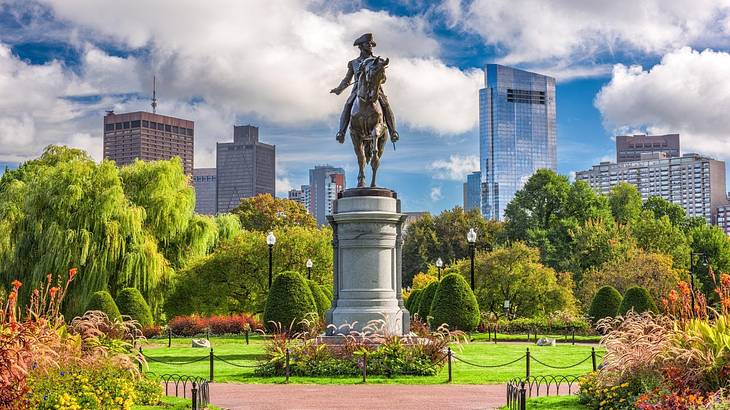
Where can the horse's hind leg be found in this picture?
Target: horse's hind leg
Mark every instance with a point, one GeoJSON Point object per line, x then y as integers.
{"type": "Point", "coordinates": [375, 161]}
{"type": "Point", "coordinates": [360, 153]}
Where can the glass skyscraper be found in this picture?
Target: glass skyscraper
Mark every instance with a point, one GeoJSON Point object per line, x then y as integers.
{"type": "Point", "coordinates": [516, 133]}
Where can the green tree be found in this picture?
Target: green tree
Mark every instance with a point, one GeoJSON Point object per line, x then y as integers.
{"type": "Point", "coordinates": [711, 241]}
{"type": "Point", "coordinates": [660, 236]}
{"type": "Point", "coordinates": [661, 207]}
{"type": "Point", "coordinates": [131, 303]}
{"type": "Point", "coordinates": [537, 207]}
{"type": "Point", "coordinates": [638, 299]}
{"type": "Point", "coordinates": [596, 242]}
{"type": "Point", "coordinates": [289, 302]}
{"type": "Point", "coordinates": [625, 202]}
{"type": "Point", "coordinates": [605, 304]}
{"type": "Point", "coordinates": [103, 302]}
{"type": "Point", "coordinates": [265, 213]}
{"type": "Point", "coordinates": [454, 304]}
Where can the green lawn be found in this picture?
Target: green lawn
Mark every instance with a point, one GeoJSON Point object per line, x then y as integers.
{"type": "Point", "coordinates": [172, 403]}
{"type": "Point", "coordinates": [522, 337]}
{"type": "Point", "coordinates": [554, 403]}
{"type": "Point", "coordinates": [234, 349]}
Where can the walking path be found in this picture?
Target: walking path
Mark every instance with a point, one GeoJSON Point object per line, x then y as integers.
{"type": "Point", "coordinates": [371, 396]}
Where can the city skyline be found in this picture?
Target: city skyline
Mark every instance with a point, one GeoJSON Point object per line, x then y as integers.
{"type": "Point", "coordinates": [631, 78]}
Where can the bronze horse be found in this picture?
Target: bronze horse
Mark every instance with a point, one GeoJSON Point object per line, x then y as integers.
{"type": "Point", "coordinates": [367, 127]}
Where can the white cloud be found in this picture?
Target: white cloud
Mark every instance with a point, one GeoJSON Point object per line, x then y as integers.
{"type": "Point", "coordinates": [436, 194]}
{"type": "Point", "coordinates": [688, 92]}
{"type": "Point", "coordinates": [528, 31]}
{"type": "Point", "coordinates": [455, 168]}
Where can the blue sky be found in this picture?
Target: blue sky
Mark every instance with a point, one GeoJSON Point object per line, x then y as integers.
{"type": "Point", "coordinates": [622, 66]}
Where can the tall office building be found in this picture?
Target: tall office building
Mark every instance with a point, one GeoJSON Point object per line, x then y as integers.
{"type": "Point", "coordinates": [149, 137]}
{"type": "Point", "coordinates": [325, 182]}
{"type": "Point", "coordinates": [245, 168]}
{"type": "Point", "coordinates": [630, 147]}
{"type": "Point", "coordinates": [300, 195]}
{"type": "Point", "coordinates": [516, 133]}
{"type": "Point", "coordinates": [473, 191]}
{"type": "Point", "coordinates": [205, 189]}
{"type": "Point", "coordinates": [694, 182]}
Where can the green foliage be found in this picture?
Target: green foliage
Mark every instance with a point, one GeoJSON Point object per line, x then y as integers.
{"type": "Point", "coordinates": [426, 298]}
{"type": "Point", "coordinates": [289, 302]}
{"type": "Point", "coordinates": [625, 202]}
{"type": "Point", "coordinates": [322, 302]}
{"type": "Point", "coordinates": [265, 213]}
{"type": "Point", "coordinates": [328, 292]}
{"type": "Point", "coordinates": [661, 207]}
{"type": "Point", "coordinates": [638, 299]}
{"type": "Point", "coordinates": [712, 241]}
{"type": "Point", "coordinates": [410, 302]}
{"type": "Point", "coordinates": [455, 305]}
{"type": "Point", "coordinates": [596, 242]}
{"type": "Point", "coordinates": [103, 301]}
{"type": "Point", "coordinates": [131, 303]}
{"type": "Point", "coordinates": [659, 235]}
{"type": "Point", "coordinates": [229, 226]}
{"type": "Point", "coordinates": [237, 271]}
{"type": "Point", "coordinates": [605, 304]}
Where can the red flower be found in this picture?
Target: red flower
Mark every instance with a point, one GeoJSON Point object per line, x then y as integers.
{"type": "Point", "coordinates": [725, 280]}
{"type": "Point", "coordinates": [71, 273]}
{"type": "Point", "coordinates": [35, 292]}
{"type": "Point", "coordinates": [53, 291]}
{"type": "Point", "coordinates": [16, 284]}
{"type": "Point", "coordinates": [12, 296]}
{"type": "Point", "coordinates": [673, 296]}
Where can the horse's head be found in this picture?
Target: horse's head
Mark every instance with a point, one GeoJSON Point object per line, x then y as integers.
{"type": "Point", "coordinates": [373, 76]}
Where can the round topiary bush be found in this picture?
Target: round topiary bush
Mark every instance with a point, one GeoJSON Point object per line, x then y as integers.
{"type": "Point", "coordinates": [103, 301]}
{"type": "Point", "coordinates": [605, 303]}
{"type": "Point", "coordinates": [320, 299]}
{"type": "Point", "coordinates": [131, 303]}
{"type": "Point", "coordinates": [454, 304]}
{"type": "Point", "coordinates": [289, 301]}
{"type": "Point", "coordinates": [639, 299]}
{"type": "Point", "coordinates": [424, 304]}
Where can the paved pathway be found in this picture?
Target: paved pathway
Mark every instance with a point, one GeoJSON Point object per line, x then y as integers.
{"type": "Point", "coordinates": [373, 396]}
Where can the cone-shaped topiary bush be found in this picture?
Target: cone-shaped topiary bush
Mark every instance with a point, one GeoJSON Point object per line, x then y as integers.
{"type": "Point", "coordinates": [327, 290]}
{"type": "Point", "coordinates": [289, 301]}
{"type": "Point", "coordinates": [131, 303]}
{"type": "Point", "coordinates": [103, 301]}
{"type": "Point", "coordinates": [455, 305]}
{"type": "Point", "coordinates": [424, 308]}
{"type": "Point", "coordinates": [320, 299]}
{"type": "Point", "coordinates": [413, 301]}
{"type": "Point", "coordinates": [639, 299]}
{"type": "Point", "coordinates": [605, 303]}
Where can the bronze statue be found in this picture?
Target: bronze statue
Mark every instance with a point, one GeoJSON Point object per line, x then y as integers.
{"type": "Point", "coordinates": [367, 110]}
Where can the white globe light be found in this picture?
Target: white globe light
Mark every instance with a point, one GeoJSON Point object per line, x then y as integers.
{"type": "Point", "coordinates": [471, 236]}
{"type": "Point", "coordinates": [270, 238]}
{"type": "Point", "coordinates": [309, 263]}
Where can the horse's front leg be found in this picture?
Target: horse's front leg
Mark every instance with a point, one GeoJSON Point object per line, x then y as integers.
{"type": "Point", "coordinates": [379, 147]}
{"type": "Point", "coordinates": [360, 153]}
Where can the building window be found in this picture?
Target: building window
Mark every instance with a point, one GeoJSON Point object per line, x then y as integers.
{"type": "Point", "coordinates": [118, 126]}
{"type": "Point", "coordinates": [136, 124]}
{"type": "Point", "coordinates": [168, 128]}
{"type": "Point", "coordinates": [126, 125]}
{"type": "Point", "coordinates": [145, 123]}
{"type": "Point", "coordinates": [108, 127]}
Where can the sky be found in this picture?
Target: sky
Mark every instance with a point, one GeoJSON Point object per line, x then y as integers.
{"type": "Point", "coordinates": [622, 66]}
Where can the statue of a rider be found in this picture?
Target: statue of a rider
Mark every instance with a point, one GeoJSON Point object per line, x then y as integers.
{"type": "Point", "coordinates": [365, 43]}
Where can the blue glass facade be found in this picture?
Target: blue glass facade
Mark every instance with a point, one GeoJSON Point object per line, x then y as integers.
{"type": "Point", "coordinates": [516, 133]}
{"type": "Point", "coordinates": [473, 191]}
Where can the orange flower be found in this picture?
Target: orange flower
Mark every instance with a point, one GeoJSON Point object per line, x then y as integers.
{"type": "Point", "coordinates": [71, 273]}
{"type": "Point", "coordinates": [684, 288]}
{"type": "Point", "coordinates": [49, 277]}
{"type": "Point", "coordinates": [12, 296]}
{"type": "Point", "coordinates": [725, 303]}
{"type": "Point", "coordinates": [725, 280]}
{"type": "Point", "coordinates": [53, 291]}
{"type": "Point", "coordinates": [35, 292]}
{"type": "Point", "coordinates": [16, 284]}
{"type": "Point", "coordinates": [673, 296]}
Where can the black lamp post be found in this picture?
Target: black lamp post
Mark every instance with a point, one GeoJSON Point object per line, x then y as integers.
{"type": "Point", "coordinates": [271, 240]}
{"type": "Point", "coordinates": [439, 265]}
{"type": "Point", "coordinates": [309, 268]}
{"type": "Point", "coordinates": [692, 275]}
{"type": "Point", "coordinates": [471, 237]}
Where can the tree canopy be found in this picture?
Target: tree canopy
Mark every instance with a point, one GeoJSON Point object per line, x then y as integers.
{"type": "Point", "coordinates": [265, 213]}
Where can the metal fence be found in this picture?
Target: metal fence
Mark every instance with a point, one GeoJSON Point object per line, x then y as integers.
{"type": "Point", "coordinates": [519, 390]}
{"type": "Point", "coordinates": [195, 388]}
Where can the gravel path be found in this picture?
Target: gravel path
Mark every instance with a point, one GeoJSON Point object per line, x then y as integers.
{"type": "Point", "coordinates": [384, 396]}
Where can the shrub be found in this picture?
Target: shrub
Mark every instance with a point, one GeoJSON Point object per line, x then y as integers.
{"type": "Point", "coordinates": [289, 301]}
{"type": "Point", "coordinates": [413, 301]}
{"type": "Point", "coordinates": [639, 299]}
{"type": "Point", "coordinates": [103, 302]}
{"type": "Point", "coordinates": [424, 308]}
{"type": "Point", "coordinates": [151, 331]}
{"type": "Point", "coordinates": [232, 324]}
{"type": "Point", "coordinates": [327, 290]}
{"type": "Point", "coordinates": [132, 304]}
{"type": "Point", "coordinates": [605, 304]}
{"type": "Point", "coordinates": [455, 304]}
{"type": "Point", "coordinates": [319, 298]}
{"type": "Point", "coordinates": [186, 326]}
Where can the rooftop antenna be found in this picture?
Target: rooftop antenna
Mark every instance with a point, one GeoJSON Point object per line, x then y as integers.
{"type": "Point", "coordinates": [154, 95]}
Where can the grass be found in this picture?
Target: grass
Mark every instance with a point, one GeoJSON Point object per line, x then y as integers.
{"type": "Point", "coordinates": [234, 349]}
{"type": "Point", "coordinates": [172, 403]}
{"type": "Point", "coordinates": [555, 402]}
{"type": "Point", "coordinates": [522, 337]}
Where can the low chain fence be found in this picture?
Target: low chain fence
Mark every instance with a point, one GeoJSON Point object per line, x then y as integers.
{"type": "Point", "coordinates": [195, 388]}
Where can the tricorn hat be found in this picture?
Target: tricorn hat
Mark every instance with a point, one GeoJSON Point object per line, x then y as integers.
{"type": "Point", "coordinates": [365, 38]}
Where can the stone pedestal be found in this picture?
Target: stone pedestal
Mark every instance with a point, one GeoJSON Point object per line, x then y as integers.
{"type": "Point", "coordinates": [367, 244]}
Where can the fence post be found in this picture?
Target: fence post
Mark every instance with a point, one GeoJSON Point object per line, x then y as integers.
{"type": "Point", "coordinates": [523, 396]}
{"type": "Point", "coordinates": [141, 357]}
{"type": "Point", "coordinates": [365, 367]}
{"type": "Point", "coordinates": [287, 365]}
{"type": "Point", "coordinates": [573, 335]}
{"type": "Point", "coordinates": [207, 334]}
{"type": "Point", "coordinates": [246, 336]}
{"type": "Point", "coordinates": [211, 364]}
{"type": "Point", "coordinates": [593, 357]}
{"type": "Point", "coordinates": [527, 364]}
{"type": "Point", "coordinates": [169, 337]}
{"type": "Point", "coordinates": [194, 395]}
{"type": "Point", "coordinates": [449, 358]}
{"type": "Point", "coordinates": [495, 335]}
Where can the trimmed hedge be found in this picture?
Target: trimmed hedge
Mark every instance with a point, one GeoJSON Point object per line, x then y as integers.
{"type": "Point", "coordinates": [411, 301]}
{"type": "Point", "coordinates": [131, 303]}
{"type": "Point", "coordinates": [543, 325]}
{"type": "Point", "coordinates": [320, 299]}
{"type": "Point", "coordinates": [455, 304]}
{"type": "Point", "coordinates": [289, 302]}
{"type": "Point", "coordinates": [327, 290]}
{"type": "Point", "coordinates": [639, 299]}
{"type": "Point", "coordinates": [104, 302]}
{"type": "Point", "coordinates": [424, 308]}
{"type": "Point", "coordinates": [605, 303]}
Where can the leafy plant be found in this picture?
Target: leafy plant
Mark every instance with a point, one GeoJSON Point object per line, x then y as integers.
{"type": "Point", "coordinates": [131, 303]}
{"type": "Point", "coordinates": [455, 305]}
{"type": "Point", "coordinates": [424, 308]}
{"type": "Point", "coordinates": [605, 304]}
{"type": "Point", "coordinates": [638, 300]}
{"type": "Point", "coordinates": [103, 301]}
{"type": "Point", "coordinates": [289, 301]}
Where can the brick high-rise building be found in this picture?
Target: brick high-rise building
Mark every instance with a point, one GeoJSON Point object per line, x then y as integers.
{"type": "Point", "coordinates": [246, 168]}
{"type": "Point", "coordinates": [149, 137]}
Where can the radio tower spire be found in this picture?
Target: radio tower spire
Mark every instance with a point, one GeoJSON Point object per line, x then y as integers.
{"type": "Point", "coordinates": [154, 95]}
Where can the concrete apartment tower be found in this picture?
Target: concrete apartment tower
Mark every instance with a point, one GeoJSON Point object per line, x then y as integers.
{"type": "Point", "coordinates": [631, 147]}
{"type": "Point", "coordinates": [245, 168]}
{"type": "Point", "coordinates": [204, 181]}
{"type": "Point", "coordinates": [517, 133]}
{"type": "Point", "coordinates": [325, 182]}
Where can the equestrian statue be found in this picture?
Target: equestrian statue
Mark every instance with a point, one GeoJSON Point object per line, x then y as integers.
{"type": "Point", "coordinates": [367, 110]}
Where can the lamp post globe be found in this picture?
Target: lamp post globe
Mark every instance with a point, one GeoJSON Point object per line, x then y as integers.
{"type": "Point", "coordinates": [309, 268]}
{"type": "Point", "coordinates": [439, 265]}
{"type": "Point", "coordinates": [271, 241]}
{"type": "Point", "coordinates": [506, 308]}
{"type": "Point", "coordinates": [471, 237]}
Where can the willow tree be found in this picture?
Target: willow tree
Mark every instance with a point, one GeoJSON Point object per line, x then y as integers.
{"type": "Point", "coordinates": [63, 210]}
